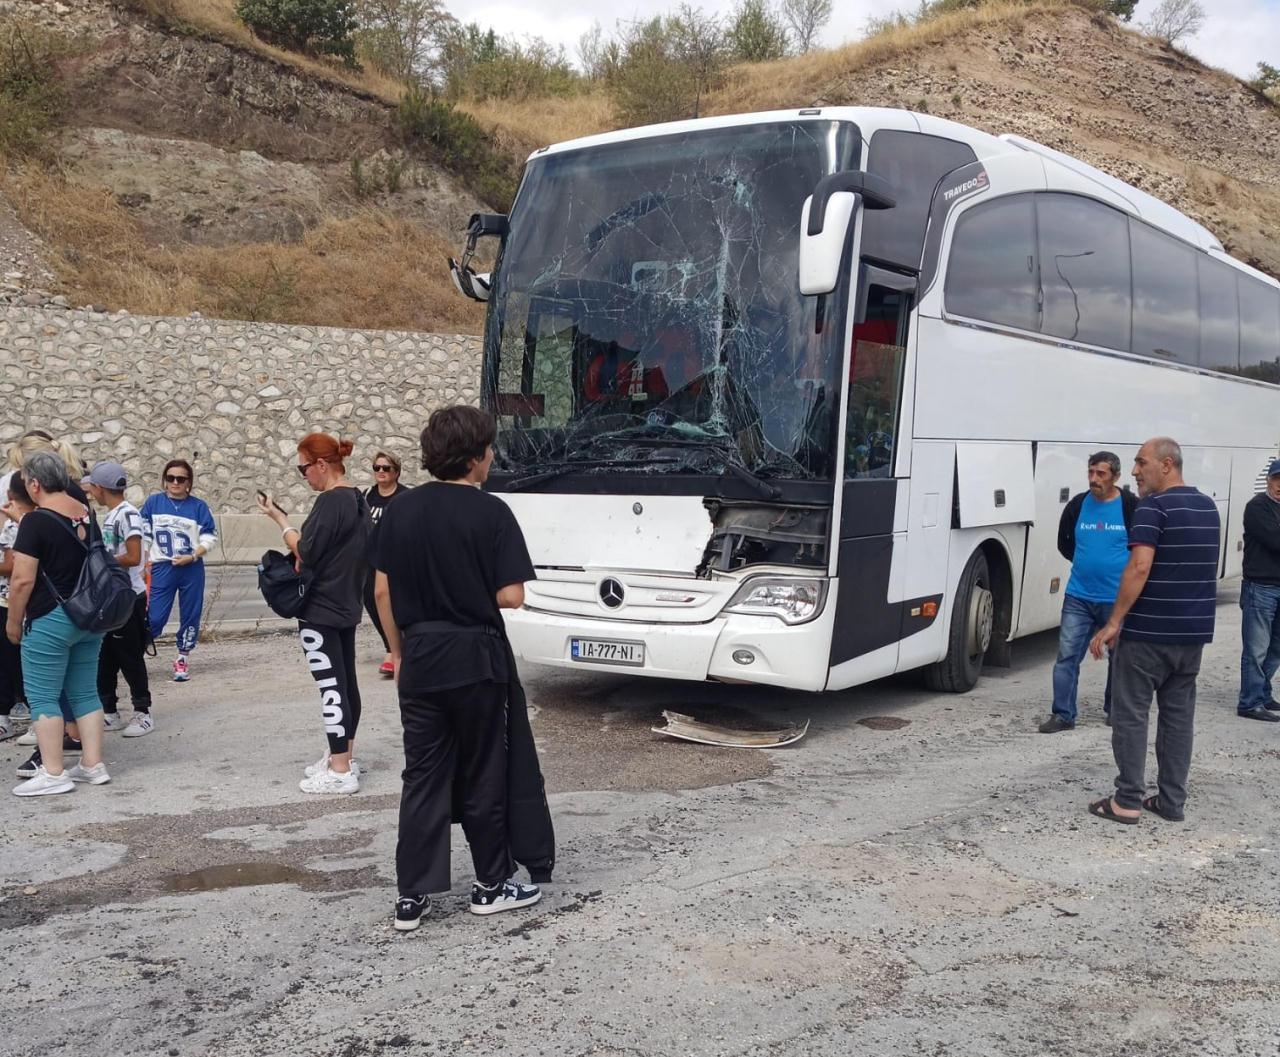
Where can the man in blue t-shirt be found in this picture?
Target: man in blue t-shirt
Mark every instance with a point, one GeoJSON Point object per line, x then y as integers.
{"type": "Point", "coordinates": [1093, 534]}
{"type": "Point", "coordinates": [1162, 618]}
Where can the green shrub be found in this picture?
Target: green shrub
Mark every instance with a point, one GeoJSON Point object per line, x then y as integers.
{"type": "Point", "coordinates": [455, 139]}
{"type": "Point", "coordinates": [321, 27]}
{"type": "Point", "coordinates": [32, 101]}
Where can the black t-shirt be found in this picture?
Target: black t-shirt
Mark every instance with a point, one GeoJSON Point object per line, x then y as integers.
{"type": "Point", "coordinates": [447, 550]}
{"type": "Point", "coordinates": [332, 546]}
{"type": "Point", "coordinates": [43, 535]}
{"type": "Point", "coordinates": [378, 502]}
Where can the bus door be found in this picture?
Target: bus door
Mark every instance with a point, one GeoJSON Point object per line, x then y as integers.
{"type": "Point", "coordinates": [869, 607]}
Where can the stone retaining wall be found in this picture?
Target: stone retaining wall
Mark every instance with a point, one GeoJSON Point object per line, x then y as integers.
{"type": "Point", "coordinates": [232, 397]}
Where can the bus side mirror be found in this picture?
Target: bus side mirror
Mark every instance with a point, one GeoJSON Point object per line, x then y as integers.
{"type": "Point", "coordinates": [469, 282]}
{"type": "Point", "coordinates": [821, 253]}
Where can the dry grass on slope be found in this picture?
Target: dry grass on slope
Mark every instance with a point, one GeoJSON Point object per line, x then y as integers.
{"type": "Point", "coordinates": [217, 18]}
{"type": "Point", "coordinates": [366, 271]}
{"type": "Point", "coordinates": [527, 124]}
{"type": "Point", "coordinates": [803, 80]}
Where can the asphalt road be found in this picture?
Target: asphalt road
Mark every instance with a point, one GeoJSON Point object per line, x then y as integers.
{"type": "Point", "coordinates": [917, 876]}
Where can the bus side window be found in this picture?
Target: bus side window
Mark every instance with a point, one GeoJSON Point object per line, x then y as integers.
{"type": "Point", "coordinates": [875, 384]}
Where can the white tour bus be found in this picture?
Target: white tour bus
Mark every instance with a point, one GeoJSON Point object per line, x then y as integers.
{"type": "Point", "coordinates": [797, 398]}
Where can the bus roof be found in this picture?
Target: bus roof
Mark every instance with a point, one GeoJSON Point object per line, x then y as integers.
{"type": "Point", "coordinates": [872, 119]}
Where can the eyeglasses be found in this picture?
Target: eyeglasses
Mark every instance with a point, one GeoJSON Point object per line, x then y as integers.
{"type": "Point", "coordinates": [173, 478]}
{"type": "Point", "coordinates": [305, 466]}
{"type": "Point", "coordinates": [379, 468]}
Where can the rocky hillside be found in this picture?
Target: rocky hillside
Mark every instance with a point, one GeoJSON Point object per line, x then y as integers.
{"type": "Point", "coordinates": [202, 176]}
{"type": "Point", "coordinates": [1148, 114]}
{"type": "Point", "coordinates": [206, 176]}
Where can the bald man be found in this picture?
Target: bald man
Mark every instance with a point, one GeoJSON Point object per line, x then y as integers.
{"type": "Point", "coordinates": [1162, 618]}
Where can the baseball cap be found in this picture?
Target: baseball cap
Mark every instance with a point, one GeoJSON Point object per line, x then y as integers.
{"type": "Point", "coordinates": [1274, 469]}
{"type": "Point", "coordinates": [109, 475]}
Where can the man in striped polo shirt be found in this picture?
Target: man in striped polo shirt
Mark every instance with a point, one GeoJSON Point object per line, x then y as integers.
{"type": "Point", "coordinates": [1161, 620]}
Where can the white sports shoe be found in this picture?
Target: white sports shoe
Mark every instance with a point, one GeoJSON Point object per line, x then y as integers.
{"type": "Point", "coordinates": [112, 721]}
{"type": "Point", "coordinates": [141, 724]}
{"type": "Point", "coordinates": [44, 784]}
{"type": "Point", "coordinates": [6, 728]}
{"type": "Point", "coordinates": [21, 710]}
{"type": "Point", "coordinates": [95, 775]}
{"type": "Point", "coordinates": [328, 781]}
{"type": "Point", "coordinates": [322, 764]}
{"type": "Point", "coordinates": [28, 737]}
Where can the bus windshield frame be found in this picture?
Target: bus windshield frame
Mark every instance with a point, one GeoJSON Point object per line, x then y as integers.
{"type": "Point", "coordinates": [646, 319]}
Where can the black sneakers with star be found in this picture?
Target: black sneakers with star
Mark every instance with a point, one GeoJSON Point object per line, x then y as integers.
{"type": "Point", "coordinates": [509, 895]}
{"type": "Point", "coordinates": [410, 910]}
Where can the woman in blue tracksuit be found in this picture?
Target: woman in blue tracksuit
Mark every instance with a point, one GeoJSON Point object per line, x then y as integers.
{"type": "Point", "coordinates": [178, 531]}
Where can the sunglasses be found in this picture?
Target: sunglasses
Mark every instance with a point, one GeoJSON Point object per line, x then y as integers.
{"type": "Point", "coordinates": [173, 478]}
{"type": "Point", "coordinates": [379, 468]}
{"type": "Point", "coordinates": [305, 466]}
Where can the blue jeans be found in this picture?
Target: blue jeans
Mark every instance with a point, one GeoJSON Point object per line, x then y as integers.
{"type": "Point", "coordinates": [60, 667]}
{"type": "Point", "coordinates": [1260, 634]}
{"type": "Point", "coordinates": [1080, 619]}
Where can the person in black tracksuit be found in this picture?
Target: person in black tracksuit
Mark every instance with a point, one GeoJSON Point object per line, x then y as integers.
{"type": "Point", "coordinates": [386, 486]}
{"type": "Point", "coordinates": [331, 552]}
{"type": "Point", "coordinates": [449, 558]}
{"type": "Point", "coordinates": [1260, 603]}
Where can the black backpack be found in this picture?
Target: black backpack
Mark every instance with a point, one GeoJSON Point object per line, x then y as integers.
{"type": "Point", "coordinates": [283, 588]}
{"type": "Point", "coordinates": [103, 598]}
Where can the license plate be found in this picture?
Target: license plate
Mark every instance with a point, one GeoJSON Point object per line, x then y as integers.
{"type": "Point", "coordinates": [606, 651]}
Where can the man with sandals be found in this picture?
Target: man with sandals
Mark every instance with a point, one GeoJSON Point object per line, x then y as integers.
{"type": "Point", "coordinates": [1162, 618]}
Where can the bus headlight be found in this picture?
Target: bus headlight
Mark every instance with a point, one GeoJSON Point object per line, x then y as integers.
{"type": "Point", "coordinates": [791, 600]}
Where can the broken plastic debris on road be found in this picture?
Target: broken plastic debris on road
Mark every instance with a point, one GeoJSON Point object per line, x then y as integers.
{"type": "Point", "coordinates": [686, 728]}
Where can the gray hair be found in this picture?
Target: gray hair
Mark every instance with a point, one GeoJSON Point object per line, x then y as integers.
{"type": "Point", "coordinates": [1167, 448]}
{"type": "Point", "coordinates": [48, 470]}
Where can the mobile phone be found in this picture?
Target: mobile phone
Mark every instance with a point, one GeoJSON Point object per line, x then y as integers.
{"type": "Point", "coordinates": [267, 499]}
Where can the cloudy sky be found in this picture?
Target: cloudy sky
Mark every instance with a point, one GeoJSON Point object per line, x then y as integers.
{"type": "Point", "coordinates": [1237, 35]}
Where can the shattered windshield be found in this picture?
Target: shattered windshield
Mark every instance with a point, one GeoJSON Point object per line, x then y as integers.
{"type": "Point", "coordinates": [647, 317]}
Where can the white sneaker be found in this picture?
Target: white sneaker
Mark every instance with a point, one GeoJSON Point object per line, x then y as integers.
{"type": "Point", "coordinates": [112, 721]}
{"type": "Point", "coordinates": [322, 764]}
{"type": "Point", "coordinates": [141, 724]}
{"type": "Point", "coordinates": [44, 784]}
{"type": "Point", "coordinates": [95, 775]}
{"type": "Point", "coordinates": [6, 728]}
{"type": "Point", "coordinates": [21, 710]}
{"type": "Point", "coordinates": [28, 737]}
{"type": "Point", "coordinates": [328, 781]}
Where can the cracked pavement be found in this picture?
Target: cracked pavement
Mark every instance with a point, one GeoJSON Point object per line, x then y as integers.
{"type": "Point", "coordinates": [917, 876]}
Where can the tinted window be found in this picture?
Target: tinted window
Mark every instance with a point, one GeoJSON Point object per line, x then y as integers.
{"type": "Point", "coordinates": [1166, 296]}
{"type": "Point", "coordinates": [1084, 270]}
{"type": "Point", "coordinates": [992, 271]}
{"type": "Point", "coordinates": [913, 164]}
{"type": "Point", "coordinates": [1259, 323]}
{"type": "Point", "coordinates": [1219, 318]}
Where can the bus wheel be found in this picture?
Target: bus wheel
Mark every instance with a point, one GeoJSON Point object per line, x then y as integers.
{"type": "Point", "coordinates": [972, 620]}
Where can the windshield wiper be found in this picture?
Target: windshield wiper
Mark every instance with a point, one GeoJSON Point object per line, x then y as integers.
{"type": "Point", "coordinates": [559, 470]}
{"type": "Point", "coordinates": [754, 480]}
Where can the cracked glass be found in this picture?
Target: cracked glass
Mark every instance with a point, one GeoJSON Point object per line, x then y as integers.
{"type": "Point", "coordinates": [647, 317]}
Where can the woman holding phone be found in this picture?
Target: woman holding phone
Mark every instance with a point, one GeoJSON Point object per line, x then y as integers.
{"type": "Point", "coordinates": [330, 553]}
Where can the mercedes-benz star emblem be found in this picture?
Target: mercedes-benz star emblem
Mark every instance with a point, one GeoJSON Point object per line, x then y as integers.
{"type": "Point", "coordinates": [611, 593]}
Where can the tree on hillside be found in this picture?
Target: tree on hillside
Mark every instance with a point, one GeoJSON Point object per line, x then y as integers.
{"type": "Point", "coordinates": [323, 27]}
{"type": "Point", "coordinates": [667, 65]}
{"type": "Point", "coordinates": [1174, 19]}
{"type": "Point", "coordinates": [401, 37]}
{"type": "Point", "coordinates": [805, 18]}
{"type": "Point", "coordinates": [756, 32]}
{"type": "Point", "coordinates": [1122, 9]}
{"type": "Point", "coordinates": [1267, 80]}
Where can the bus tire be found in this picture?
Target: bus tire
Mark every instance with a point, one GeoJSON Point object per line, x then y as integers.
{"type": "Point", "coordinates": [972, 620]}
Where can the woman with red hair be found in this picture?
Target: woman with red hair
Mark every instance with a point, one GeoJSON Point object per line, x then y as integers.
{"type": "Point", "coordinates": [330, 552]}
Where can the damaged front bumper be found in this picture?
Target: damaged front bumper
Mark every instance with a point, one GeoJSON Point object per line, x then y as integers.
{"type": "Point", "coordinates": [729, 647]}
